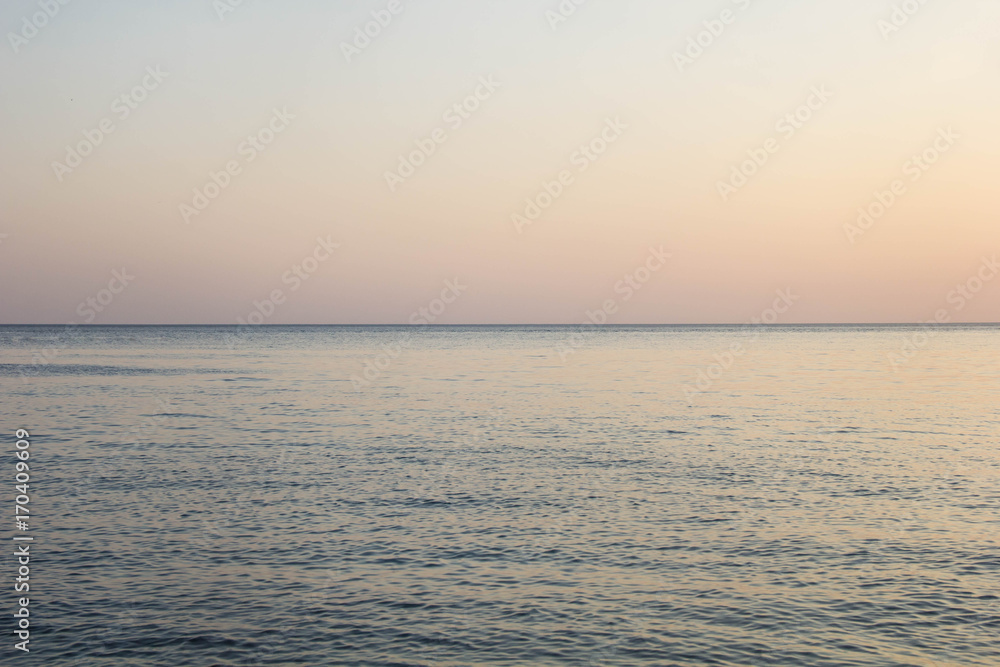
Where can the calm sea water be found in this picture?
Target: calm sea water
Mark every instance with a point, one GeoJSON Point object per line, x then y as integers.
{"type": "Point", "coordinates": [203, 496]}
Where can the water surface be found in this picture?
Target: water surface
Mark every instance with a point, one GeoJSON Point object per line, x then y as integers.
{"type": "Point", "coordinates": [510, 495]}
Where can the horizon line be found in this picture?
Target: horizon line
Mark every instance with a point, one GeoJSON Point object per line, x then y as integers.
{"type": "Point", "coordinates": [583, 324]}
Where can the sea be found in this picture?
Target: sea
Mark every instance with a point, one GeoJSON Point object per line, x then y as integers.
{"type": "Point", "coordinates": [491, 495]}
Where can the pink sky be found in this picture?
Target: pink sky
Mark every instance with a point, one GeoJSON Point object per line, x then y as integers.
{"type": "Point", "coordinates": [300, 154]}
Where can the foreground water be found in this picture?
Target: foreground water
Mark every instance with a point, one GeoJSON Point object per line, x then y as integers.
{"type": "Point", "coordinates": [509, 496]}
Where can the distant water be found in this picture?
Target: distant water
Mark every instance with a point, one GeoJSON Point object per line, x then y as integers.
{"type": "Point", "coordinates": [206, 496]}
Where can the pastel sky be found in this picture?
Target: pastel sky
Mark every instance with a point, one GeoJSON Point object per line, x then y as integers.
{"type": "Point", "coordinates": [664, 132]}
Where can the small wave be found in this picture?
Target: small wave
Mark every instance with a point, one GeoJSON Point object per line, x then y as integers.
{"type": "Point", "coordinates": [183, 415]}
{"type": "Point", "coordinates": [31, 370]}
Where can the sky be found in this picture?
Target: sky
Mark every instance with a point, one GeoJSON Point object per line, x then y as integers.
{"type": "Point", "coordinates": [508, 161]}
